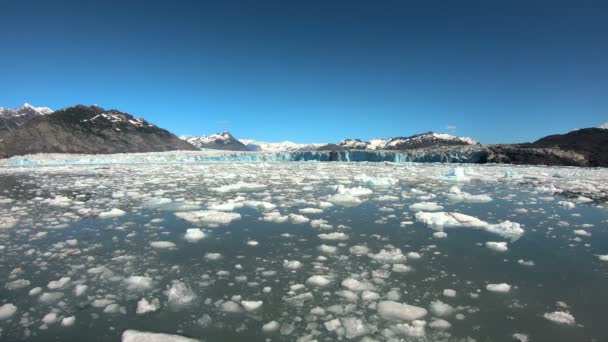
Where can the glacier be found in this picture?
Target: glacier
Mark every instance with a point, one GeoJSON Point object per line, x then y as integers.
{"type": "Point", "coordinates": [439, 155]}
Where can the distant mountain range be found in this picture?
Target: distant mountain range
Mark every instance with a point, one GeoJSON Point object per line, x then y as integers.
{"type": "Point", "coordinates": [94, 130]}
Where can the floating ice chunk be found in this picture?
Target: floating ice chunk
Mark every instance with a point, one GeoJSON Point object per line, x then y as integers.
{"type": "Point", "coordinates": [506, 229]}
{"type": "Point", "coordinates": [401, 268]}
{"type": "Point", "coordinates": [310, 211]}
{"type": "Point", "coordinates": [333, 236]}
{"type": "Point", "coordinates": [441, 309]}
{"type": "Point", "coordinates": [501, 288]}
{"type": "Point", "coordinates": [17, 284]}
{"type": "Point", "coordinates": [603, 257]}
{"type": "Point", "coordinates": [179, 294]}
{"type": "Point", "coordinates": [162, 244]}
{"type": "Point", "coordinates": [357, 286]}
{"type": "Point", "coordinates": [525, 262]}
{"type": "Point", "coordinates": [456, 195]}
{"type": "Point", "coordinates": [359, 250]}
{"type": "Point", "coordinates": [252, 243]}
{"type": "Point", "coordinates": [322, 224]}
{"type": "Point", "coordinates": [239, 186]}
{"type": "Point", "coordinates": [260, 205]}
{"type": "Point", "coordinates": [68, 321]}
{"type": "Point", "coordinates": [157, 202]}
{"type": "Point", "coordinates": [50, 297]}
{"type": "Point", "coordinates": [415, 329]}
{"type": "Point", "coordinates": [582, 232]}
{"type": "Point", "coordinates": [344, 200]}
{"type": "Point", "coordinates": [394, 311]}
{"type": "Point", "coordinates": [449, 293]}
{"type": "Point", "coordinates": [138, 283]}
{"type": "Point", "coordinates": [377, 181]}
{"type": "Point", "coordinates": [328, 249]}
{"type": "Point", "coordinates": [115, 212]}
{"type": "Point", "coordinates": [143, 336]}
{"type": "Point", "coordinates": [560, 317]}
{"type": "Point", "coordinates": [58, 284]}
{"type": "Point", "coordinates": [50, 318]}
{"type": "Point", "coordinates": [275, 217]}
{"type": "Point", "coordinates": [251, 305]}
{"type": "Point", "coordinates": [425, 206]}
{"type": "Point", "coordinates": [271, 326]}
{"type": "Point", "coordinates": [356, 191]}
{"type": "Point", "coordinates": [414, 255]}
{"type": "Point", "coordinates": [333, 325]}
{"type": "Point", "coordinates": [35, 291]}
{"type": "Point", "coordinates": [442, 220]}
{"type": "Point", "coordinates": [298, 219]}
{"type": "Point", "coordinates": [230, 307]}
{"type": "Point", "coordinates": [393, 256]}
{"type": "Point", "coordinates": [440, 324]}
{"type": "Point", "coordinates": [7, 311]}
{"type": "Point", "coordinates": [521, 337]}
{"type": "Point", "coordinates": [497, 246]}
{"type": "Point", "coordinates": [292, 264]}
{"type": "Point", "coordinates": [440, 235]}
{"type": "Point", "coordinates": [566, 204]}
{"type": "Point", "coordinates": [143, 306]}
{"type": "Point", "coordinates": [213, 256]}
{"type": "Point", "coordinates": [80, 289]}
{"type": "Point", "coordinates": [318, 281]}
{"type": "Point", "coordinates": [208, 217]}
{"type": "Point", "coordinates": [369, 295]}
{"type": "Point", "coordinates": [354, 327]}
{"type": "Point", "coordinates": [194, 235]}
{"type": "Point", "coordinates": [300, 299]}
{"type": "Point", "coordinates": [458, 174]}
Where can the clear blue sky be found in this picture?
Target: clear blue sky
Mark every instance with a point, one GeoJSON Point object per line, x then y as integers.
{"type": "Point", "coordinates": [316, 71]}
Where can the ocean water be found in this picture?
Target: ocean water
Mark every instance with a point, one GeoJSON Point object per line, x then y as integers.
{"type": "Point", "coordinates": [324, 251]}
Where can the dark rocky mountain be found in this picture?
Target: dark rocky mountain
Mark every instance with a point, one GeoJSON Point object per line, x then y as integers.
{"type": "Point", "coordinates": [13, 118]}
{"type": "Point", "coordinates": [583, 147]}
{"type": "Point", "coordinates": [91, 130]}
{"type": "Point", "coordinates": [218, 141]}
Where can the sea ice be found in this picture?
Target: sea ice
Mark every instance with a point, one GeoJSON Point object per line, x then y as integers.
{"type": "Point", "coordinates": [115, 212]}
{"type": "Point", "coordinates": [143, 336]}
{"type": "Point", "coordinates": [7, 311]}
{"type": "Point", "coordinates": [394, 311]}
{"type": "Point", "coordinates": [318, 281]}
{"type": "Point", "coordinates": [162, 244]}
{"type": "Point", "coordinates": [560, 317]}
{"type": "Point", "coordinates": [497, 246]}
{"type": "Point", "coordinates": [194, 235]}
{"type": "Point", "coordinates": [502, 287]}
{"type": "Point", "coordinates": [145, 306]}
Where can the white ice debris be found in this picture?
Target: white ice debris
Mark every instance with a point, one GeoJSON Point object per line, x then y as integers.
{"type": "Point", "coordinates": [357, 286]}
{"type": "Point", "coordinates": [68, 321]}
{"type": "Point", "coordinates": [456, 195]}
{"type": "Point", "coordinates": [58, 284]}
{"type": "Point", "coordinates": [603, 257]}
{"type": "Point", "coordinates": [194, 235]}
{"type": "Point", "coordinates": [560, 317]}
{"type": "Point", "coordinates": [441, 309]}
{"type": "Point", "coordinates": [179, 294]}
{"type": "Point", "coordinates": [391, 255]}
{"type": "Point", "coordinates": [292, 264]}
{"type": "Point", "coordinates": [7, 311]}
{"type": "Point", "coordinates": [271, 326]}
{"type": "Point", "coordinates": [209, 217]}
{"type": "Point", "coordinates": [394, 311]}
{"type": "Point", "coordinates": [318, 281]}
{"type": "Point", "coordinates": [230, 307]}
{"type": "Point", "coordinates": [144, 336]}
{"type": "Point", "coordinates": [145, 306]}
{"type": "Point", "coordinates": [333, 236]}
{"type": "Point", "coordinates": [138, 283]}
{"type": "Point", "coordinates": [251, 305]}
{"type": "Point", "coordinates": [501, 288]}
{"type": "Point", "coordinates": [449, 293]}
{"type": "Point", "coordinates": [344, 200]}
{"type": "Point", "coordinates": [440, 220]}
{"type": "Point", "coordinates": [497, 246]}
{"type": "Point", "coordinates": [425, 206]}
{"type": "Point", "coordinates": [239, 186]}
{"type": "Point", "coordinates": [162, 244]}
{"type": "Point", "coordinates": [115, 212]}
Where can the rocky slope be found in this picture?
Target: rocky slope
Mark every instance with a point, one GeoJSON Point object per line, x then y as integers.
{"type": "Point", "coordinates": [418, 141]}
{"type": "Point", "coordinates": [92, 130]}
{"type": "Point", "coordinates": [12, 118]}
{"type": "Point", "coordinates": [583, 147]}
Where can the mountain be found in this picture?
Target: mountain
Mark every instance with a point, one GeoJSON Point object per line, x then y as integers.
{"type": "Point", "coordinates": [11, 118]}
{"type": "Point", "coordinates": [284, 146]}
{"type": "Point", "coordinates": [92, 130]}
{"type": "Point", "coordinates": [218, 141]}
{"type": "Point", "coordinates": [418, 141]}
{"type": "Point", "coordinates": [583, 147]}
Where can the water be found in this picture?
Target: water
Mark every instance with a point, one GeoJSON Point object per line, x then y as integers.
{"type": "Point", "coordinates": [51, 228]}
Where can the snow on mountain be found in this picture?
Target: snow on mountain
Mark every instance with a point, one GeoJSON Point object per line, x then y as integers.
{"type": "Point", "coordinates": [429, 139]}
{"type": "Point", "coordinates": [283, 146]}
{"type": "Point", "coordinates": [217, 141]}
{"type": "Point", "coordinates": [11, 118]}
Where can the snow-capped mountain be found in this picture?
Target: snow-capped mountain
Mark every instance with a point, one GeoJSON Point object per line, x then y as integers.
{"type": "Point", "coordinates": [83, 129]}
{"type": "Point", "coordinates": [424, 140]}
{"type": "Point", "coordinates": [218, 141]}
{"type": "Point", "coordinates": [283, 146]}
{"type": "Point", "coordinates": [11, 118]}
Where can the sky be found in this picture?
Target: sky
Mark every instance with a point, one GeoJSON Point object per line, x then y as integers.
{"type": "Point", "coordinates": [316, 71]}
